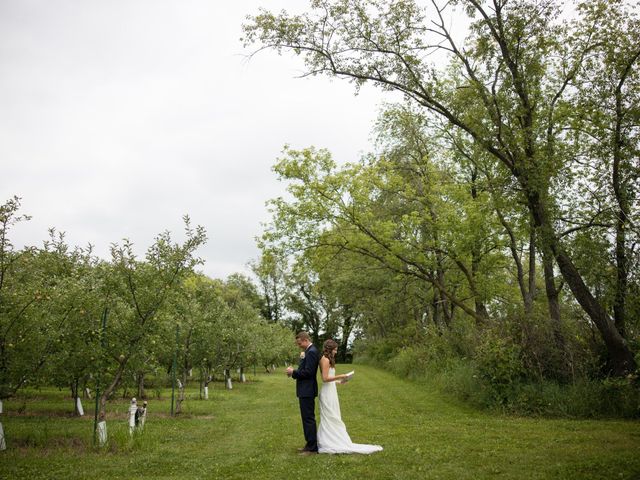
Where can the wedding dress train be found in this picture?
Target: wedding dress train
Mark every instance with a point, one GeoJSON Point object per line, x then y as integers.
{"type": "Point", "coordinates": [332, 433]}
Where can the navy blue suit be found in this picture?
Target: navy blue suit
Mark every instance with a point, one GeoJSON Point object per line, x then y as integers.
{"type": "Point", "coordinates": [306, 391]}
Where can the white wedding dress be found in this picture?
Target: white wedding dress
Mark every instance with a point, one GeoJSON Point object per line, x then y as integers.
{"type": "Point", "coordinates": [332, 433]}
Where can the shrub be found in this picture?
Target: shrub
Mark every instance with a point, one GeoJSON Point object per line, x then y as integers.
{"type": "Point", "coordinates": [408, 363]}
{"type": "Point", "coordinates": [583, 399]}
{"type": "Point", "coordinates": [621, 397]}
{"type": "Point", "coordinates": [495, 374]}
{"type": "Point", "coordinates": [499, 363]}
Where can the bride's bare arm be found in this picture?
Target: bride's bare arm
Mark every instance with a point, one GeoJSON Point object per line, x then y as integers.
{"type": "Point", "coordinates": [324, 369]}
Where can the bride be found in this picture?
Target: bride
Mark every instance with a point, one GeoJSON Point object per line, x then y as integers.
{"type": "Point", "coordinates": [332, 433]}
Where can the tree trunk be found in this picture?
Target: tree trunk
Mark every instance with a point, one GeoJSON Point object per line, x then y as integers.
{"type": "Point", "coordinates": [181, 386]}
{"type": "Point", "coordinates": [444, 302]}
{"type": "Point", "coordinates": [108, 391]}
{"type": "Point", "coordinates": [347, 326]}
{"type": "Point", "coordinates": [481, 309]}
{"type": "Point", "coordinates": [525, 292]}
{"type": "Point", "coordinates": [206, 379]}
{"type": "Point", "coordinates": [75, 395]}
{"type": "Point", "coordinates": [621, 357]}
{"type": "Point", "coordinates": [141, 391]}
{"type": "Point", "coordinates": [624, 208]}
{"type": "Point", "coordinates": [435, 304]}
{"type": "Point", "coordinates": [622, 274]}
{"type": "Point", "coordinates": [531, 294]}
{"type": "Point", "coordinates": [552, 301]}
{"type": "Point", "coordinates": [227, 379]}
{"type": "Point", "coordinates": [86, 393]}
{"type": "Point", "coordinates": [476, 254]}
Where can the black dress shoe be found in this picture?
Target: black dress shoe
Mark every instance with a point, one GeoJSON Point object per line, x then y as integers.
{"type": "Point", "coordinates": [306, 453]}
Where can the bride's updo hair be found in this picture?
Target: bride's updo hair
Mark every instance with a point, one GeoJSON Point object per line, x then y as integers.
{"type": "Point", "coordinates": [327, 350]}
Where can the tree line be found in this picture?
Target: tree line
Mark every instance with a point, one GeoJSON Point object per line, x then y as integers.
{"type": "Point", "coordinates": [54, 299]}
{"type": "Point", "coordinates": [499, 206]}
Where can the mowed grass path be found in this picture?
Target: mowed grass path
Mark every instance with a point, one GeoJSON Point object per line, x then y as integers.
{"type": "Point", "coordinates": [253, 432]}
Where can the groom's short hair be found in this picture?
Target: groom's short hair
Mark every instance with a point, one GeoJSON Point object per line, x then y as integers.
{"type": "Point", "coordinates": [303, 336]}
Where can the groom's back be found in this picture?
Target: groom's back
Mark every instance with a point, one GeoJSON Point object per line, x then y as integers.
{"type": "Point", "coordinates": [306, 383]}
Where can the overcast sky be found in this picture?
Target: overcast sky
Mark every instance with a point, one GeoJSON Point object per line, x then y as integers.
{"type": "Point", "coordinates": [118, 117]}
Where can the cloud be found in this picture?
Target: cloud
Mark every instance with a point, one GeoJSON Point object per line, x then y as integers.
{"type": "Point", "coordinates": [116, 118]}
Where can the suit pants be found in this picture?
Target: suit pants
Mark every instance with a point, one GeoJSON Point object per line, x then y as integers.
{"type": "Point", "coordinates": [307, 411]}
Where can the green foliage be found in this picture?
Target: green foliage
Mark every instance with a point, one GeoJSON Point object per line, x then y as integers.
{"type": "Point", "coordinates": [515, 160]}
{"type": "Point", "coordinates": [53, 299]}
{"type": "Point", "coordinates": [46, 297]}
{"type": "Point", "coordinates": [499, 364]}
{"type": "Point", "coordinates": [494, 378]}
{"type": "Point", "coordinates": [583, 399]}
{"type": "Point", "coordinates": [492, 233]}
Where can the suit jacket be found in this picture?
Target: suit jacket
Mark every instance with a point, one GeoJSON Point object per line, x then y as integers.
{"type": "Point", "coordinates": [305, 374]}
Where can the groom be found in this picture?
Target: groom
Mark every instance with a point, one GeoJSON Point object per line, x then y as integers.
{"type": "Point", "coordinates": [307, 389]}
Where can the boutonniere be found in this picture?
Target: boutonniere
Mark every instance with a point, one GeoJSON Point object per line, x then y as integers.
{"type": "Point", "coordinates": [301, 355]}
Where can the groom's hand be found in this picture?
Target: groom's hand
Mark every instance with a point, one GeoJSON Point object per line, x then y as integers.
{"type": "Point", "coordinates": [289, 371]}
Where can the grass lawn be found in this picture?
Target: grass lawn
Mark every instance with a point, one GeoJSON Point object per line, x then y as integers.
{"type": "Point", "coordinates": [253, 432]}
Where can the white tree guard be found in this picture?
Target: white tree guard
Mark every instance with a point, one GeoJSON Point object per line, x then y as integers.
{"type": "Point", "coordinates": [206, 393]}
{"type": "Point", "coordinates": [3, 443]}
{"type": "Point", "coordinates": [0, 406]}
{"type": "Point", "coordinates": [79, 406]}
{"type": "Point", "coordinates": [229, 385]}
{"type": "Point", "coordinates": [243, 378]}
{"type": "Point", "coordinates": [132, 417]}
{"type": "Point", "coordinates": [102, 433]}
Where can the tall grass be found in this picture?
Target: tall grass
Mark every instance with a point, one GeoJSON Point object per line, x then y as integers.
{"type": "Point", "coordinates": [464, 380]}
